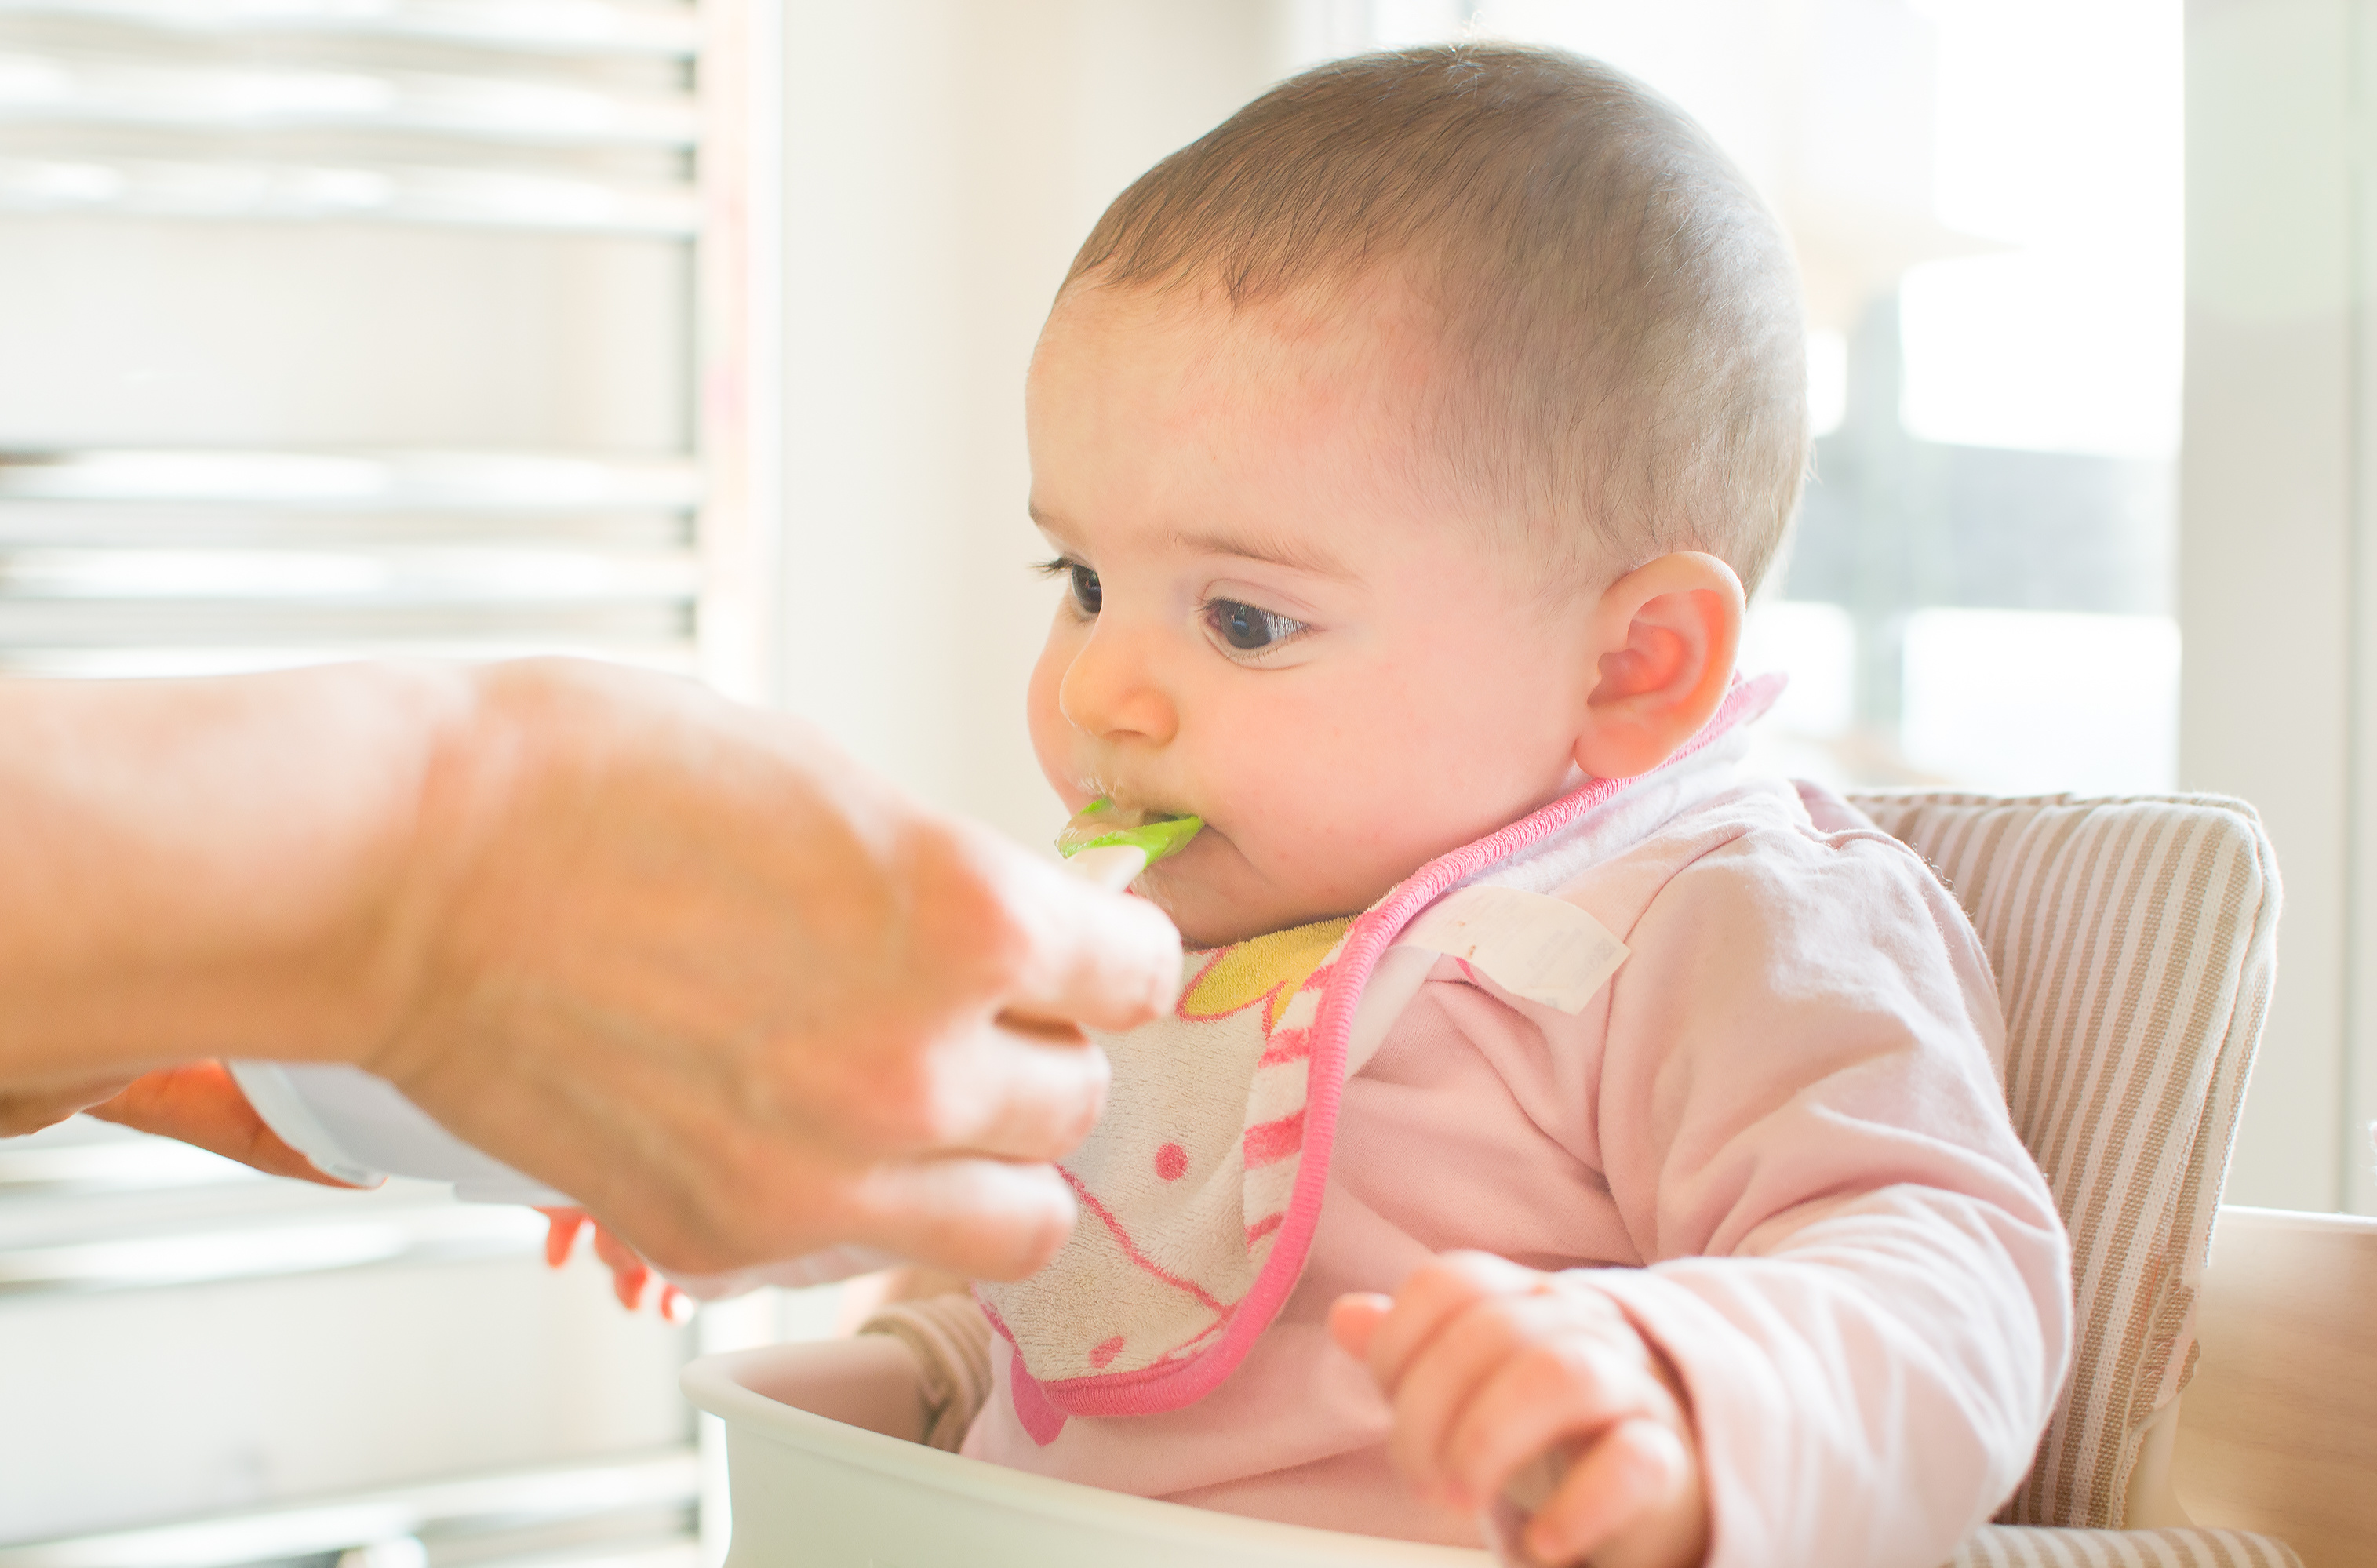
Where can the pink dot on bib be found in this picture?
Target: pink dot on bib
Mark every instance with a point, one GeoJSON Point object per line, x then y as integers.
{"type": "Point", "coordinates": [1104, 1353]}
{"type": "Point", "coordinates": [1172, 1162]}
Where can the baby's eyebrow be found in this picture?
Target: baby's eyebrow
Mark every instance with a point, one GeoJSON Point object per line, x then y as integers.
{"type": "Point", "coordinates": [1045, 524]}
{"type": "Point", "coordinates": [1295, 554]}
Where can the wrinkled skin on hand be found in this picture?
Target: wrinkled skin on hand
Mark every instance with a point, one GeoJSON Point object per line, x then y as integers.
{"type": "Point", "coordinates": [689, 965]}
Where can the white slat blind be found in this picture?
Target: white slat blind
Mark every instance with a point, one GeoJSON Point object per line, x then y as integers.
{"type": "Point", "coordinates": [344, 327]}
{"type": "Point", "coordinates": [337, 328]}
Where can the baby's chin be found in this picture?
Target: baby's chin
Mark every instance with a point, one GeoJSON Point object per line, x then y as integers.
{"type": "Point", "coordinates": [1211, 915]}
{"type": "Point", "coordinates": [1199, 933]}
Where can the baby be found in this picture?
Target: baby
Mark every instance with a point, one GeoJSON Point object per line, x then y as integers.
{"type": "Point", "coordinates": [1407, 446]}
{"type": "Point", "coordinates": [1548, 1082]}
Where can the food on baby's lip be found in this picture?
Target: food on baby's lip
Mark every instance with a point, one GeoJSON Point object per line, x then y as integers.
{"type": "Point", "coordinates": [1102, 825]}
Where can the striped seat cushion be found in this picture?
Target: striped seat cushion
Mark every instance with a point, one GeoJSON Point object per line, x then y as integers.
{"type": "Point", "coordinates": [2133, 944]}
{"type": "Point", "coordinates": [1999, 1547]}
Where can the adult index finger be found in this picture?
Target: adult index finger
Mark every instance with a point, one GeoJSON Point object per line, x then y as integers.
{"type": "Point", "coordinates": [1016, 1090]}
{"type": "Point", "coordinates": [978, 1218]}
{"type": "Point", "coordinates": [1088, 956]}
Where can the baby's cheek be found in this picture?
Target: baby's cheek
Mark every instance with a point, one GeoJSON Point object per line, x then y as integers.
{"type": "Point", "coordinates": [1283, 813]}
{"type": "Point", "coordinates": [1333, 859]}
{"type": "Point", "coordinates": [1332, 823]}
{"type": "Point", "coordinates": [1052, 736]}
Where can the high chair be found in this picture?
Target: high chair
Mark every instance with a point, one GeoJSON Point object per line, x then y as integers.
{"type": "Point", "coordinates": [2134, 942]}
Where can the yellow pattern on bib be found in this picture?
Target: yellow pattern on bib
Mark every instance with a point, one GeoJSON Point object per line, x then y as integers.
{"type": "Point", "coordinates": [1269, 969]}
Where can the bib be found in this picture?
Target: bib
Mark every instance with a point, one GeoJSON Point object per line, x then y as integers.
{"type": "Point", "coordinates": [1200, 1187]}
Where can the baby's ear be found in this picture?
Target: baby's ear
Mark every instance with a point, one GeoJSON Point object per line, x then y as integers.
{"type": "Point", "coordinates": [1664, 635]}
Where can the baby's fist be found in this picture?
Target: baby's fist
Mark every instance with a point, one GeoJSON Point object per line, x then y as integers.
{"type": "Point", "coordinates": [1490, 1365]}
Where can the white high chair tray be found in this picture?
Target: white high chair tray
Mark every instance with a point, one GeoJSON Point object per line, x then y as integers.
{"type": "Point", "coordinates": [811, 1491]}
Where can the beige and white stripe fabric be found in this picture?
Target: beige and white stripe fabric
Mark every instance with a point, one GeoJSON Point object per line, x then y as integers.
{"type": "Point", "coordinates": [950, 1339]}
{"type": "Point", "coordinates": [2134, 942]}
{"type": "Point", "coordinates": [1998, 1547]}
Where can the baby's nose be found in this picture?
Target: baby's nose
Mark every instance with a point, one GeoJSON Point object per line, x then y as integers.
{"type": "Point", "coordinates": [1111, 691]}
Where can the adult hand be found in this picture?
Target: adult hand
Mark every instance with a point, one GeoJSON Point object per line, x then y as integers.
{"type": "Point", "coordinates": [678, 959]}
{"type": "Point", "coordinates": [688, 964]}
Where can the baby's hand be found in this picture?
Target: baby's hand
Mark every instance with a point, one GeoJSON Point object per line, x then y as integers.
{"type": "Point", "coordinates": [1489, 1365]}
{"type": "Point", "coordinates": [630, 1274]}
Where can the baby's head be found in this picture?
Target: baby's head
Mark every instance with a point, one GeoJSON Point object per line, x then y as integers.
{"type": "Point", "coordinates": [1407, 445]}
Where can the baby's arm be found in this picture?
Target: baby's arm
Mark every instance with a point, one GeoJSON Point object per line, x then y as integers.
{"type": "Point", "coordinates": [1490, 1365]}
{"type": "Point", "coordinates": [949, 1338]}
{"type": "Point", "coordinates": [1855, 1271]}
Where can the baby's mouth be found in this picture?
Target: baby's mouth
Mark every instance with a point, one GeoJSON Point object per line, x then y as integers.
{"type": "Point", "coordinates": [1103, 824]}
{"type": "Point", "coordinates": [1131, 804]}
{"type": "Point", "coordinates": [1123, 797]}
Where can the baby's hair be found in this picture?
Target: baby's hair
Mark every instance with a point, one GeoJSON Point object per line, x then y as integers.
{"type": "Point", "coordinates": [1621, 311]}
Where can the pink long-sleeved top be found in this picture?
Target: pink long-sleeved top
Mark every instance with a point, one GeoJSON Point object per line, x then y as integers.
{"type": "Point", "coordinates": [1777, 1137]}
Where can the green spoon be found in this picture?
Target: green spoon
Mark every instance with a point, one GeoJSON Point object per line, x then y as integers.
{"type": "Point", "coordinates": [1117, 846]}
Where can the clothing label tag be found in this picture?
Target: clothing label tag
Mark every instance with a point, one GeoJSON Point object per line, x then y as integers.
{"type": "Point", "coordinates": [1544, 950]}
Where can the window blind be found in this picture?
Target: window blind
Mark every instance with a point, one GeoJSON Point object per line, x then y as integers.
{"type": "Point", "coordinates": [272, 122]}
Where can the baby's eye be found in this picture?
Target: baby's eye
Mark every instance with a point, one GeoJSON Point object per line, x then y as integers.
{"type": "Point", "coordinates": [1089, 596]}
{"type": "Point", "coordinates": [1248, 629]}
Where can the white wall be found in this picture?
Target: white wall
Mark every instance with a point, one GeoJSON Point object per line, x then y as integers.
{"type": "Point", "coordinates": [946, 158]}
{"type": "Point", "coordinates": [2276, 607]}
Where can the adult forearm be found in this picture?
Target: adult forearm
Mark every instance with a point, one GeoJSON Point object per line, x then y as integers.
{"type": "Point", "coordinates": [207, 867]}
